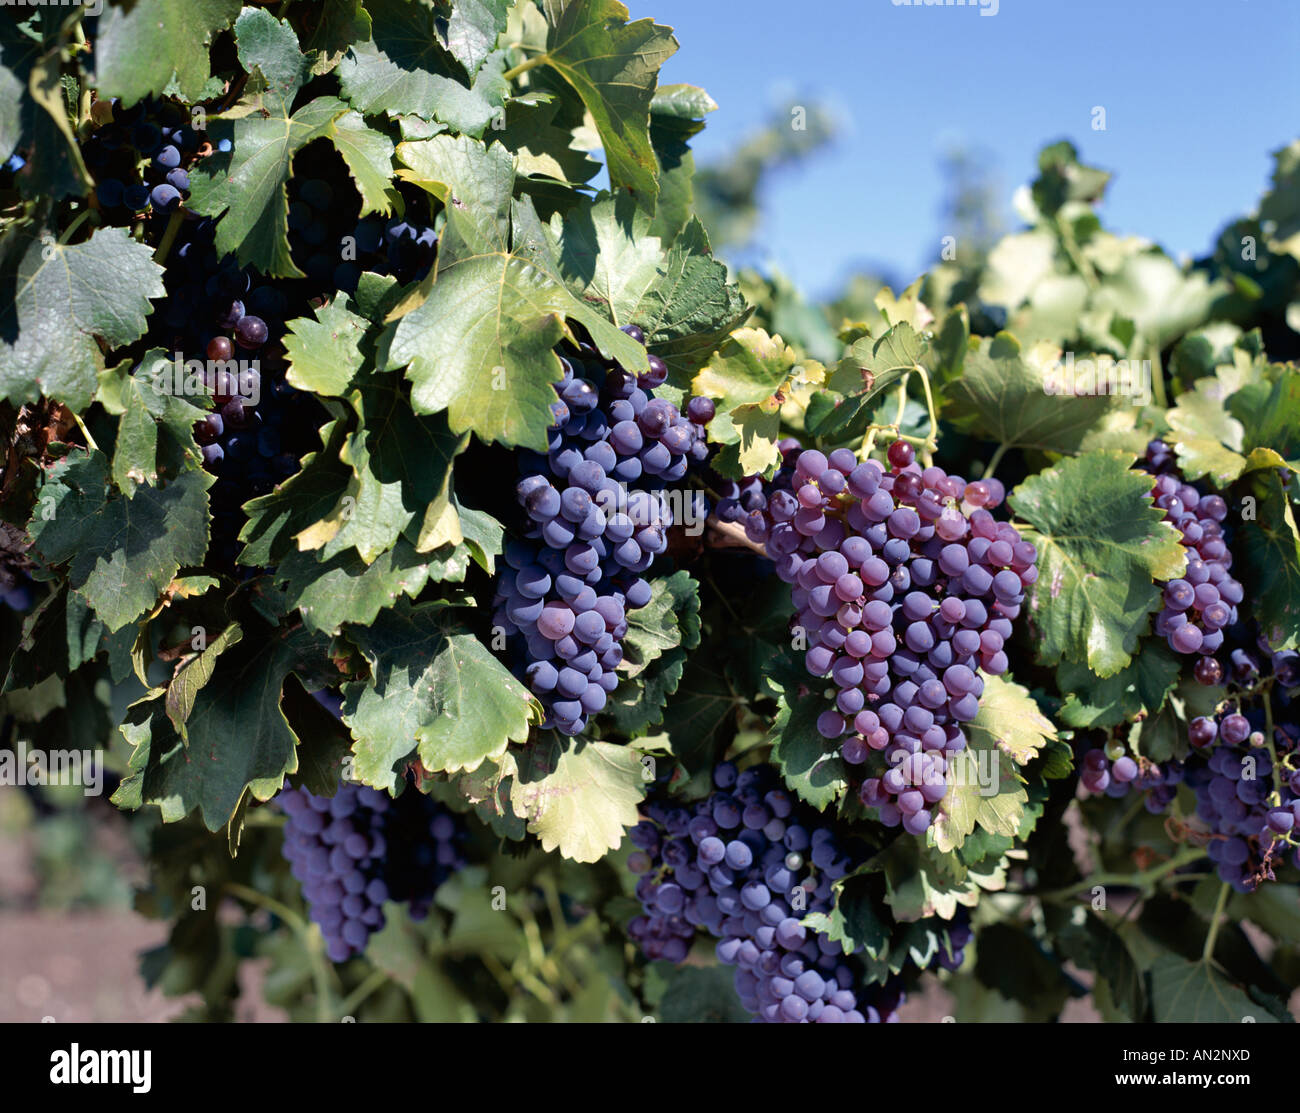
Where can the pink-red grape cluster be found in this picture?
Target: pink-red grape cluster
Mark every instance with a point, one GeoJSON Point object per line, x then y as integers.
{"type": "Point", "coordinates": [905, 587]}
{"type": "Point", "coordinates": [1201, 603]}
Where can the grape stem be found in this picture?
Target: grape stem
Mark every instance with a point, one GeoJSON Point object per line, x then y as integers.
{"type": "Point", "coordinates": [524, 67]}
{"type": "Point", "coordinates": [71, 229]}
{"type": "Point", "coordinates": [995, 460]}
{"type": "Point", "coordinates": [1213, 934]}
{"type": "Point", "coordinates": [1158, 376]}
{"type": "Point", "coordinates": [1145, 880]}
{"type": "Point", "coordinates": [733, 535]}
{"type": "Point", "coordinates": [1081, 264]}
{"type": "Point", "coordinates": [376, 979]}
{"type": "Point", "coordinates": [169, 237]}
{"type": "Point", "coordinates": [310, 940]}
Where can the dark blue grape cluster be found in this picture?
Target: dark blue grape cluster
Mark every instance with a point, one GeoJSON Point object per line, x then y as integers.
{"type": "Point", "coordinates": [260, 426]}
{"type": "Point", "coordinates": [905, 588]}
{"type": "Point", "coordinates": [746, 502]}
{"type": "Point", "coordinates": [359, 848]}
{"type": "Point", "coordinates": [1247, 802]}
{"type": "Point", "coordinates": [747, 865]}
{"type": "Point", "coordinates": [334, 249]}
{"type": "Point", "coordinates": [1201, 603]}
{"type": "Point", "coordinates": [404, 248]}
{"type": "Point", "coordinates": [597, 519]}
{"type": "Point", "coordinates": [140, 157]}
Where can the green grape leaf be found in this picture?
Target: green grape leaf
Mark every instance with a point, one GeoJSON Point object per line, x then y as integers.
{"type": "Point", "coordinates": [434, 688]}
{"type": "Point", "coordinates": [1271, 545]}
{"type": "Point", "coordinates": [369, 156]}
{"type": "Point", "coordinates": [1159, 297]}
{"type": "Point", "coordinates": [472, 30]}
{"type": "Point", "coordinates": [191, 676]}
{"type": "Point", "coordinates": [487, 790]}
{"type": "Point", "coordinates": [580, 800]}
{"type": "Point", "coordinates": [34, 110]}
{"type": "Point", "coordinates": [920, 884]}
{"type": "Point", "coordinates": [1207, 439]}
{"type": "Point", "coordinates": [1009, 719]}
{"type": "Point", "coordinates": [1011, 961]}
{"type": "Point", "coordinates": [403, 68]}
{"type": "Point", "coordinates": [613, 66]}
{"type": "Point", "coordinates": [670, 619]}
{"type": "Point", "coordinates": [475, 184]}
{"type": "Point", "coordinates": [638, 704]}
{"type": "Point", "coordinates": [1198, 993]}
{"type": "Point", "coordinates": [240, 743]}
{"type": "Point", "coordinates": [325, 354]}
{"type": "Point", "coordinates": [702, 995]}
{"type": "Point", "coordinates": [872, 366]}
{"type": "Point", "coordinates": [1279, 208]}
{"type": "Point", "coordinates": [122, 552]}
{"type": "Point", "coordinates": [692, 308]}
{"type": "Point", "coordinates": [57, 299]}
{"type": "Point", "coordinates": [140, 47]}
{"type": "Point", "coordinates": [703, 706]}
{"type": "Point", "coordinates": [480, 348]}
{"type": "Point", "coordinates": [146, 402]}
{"type": "Point", "coordinates": [250, 183]}
{"type": "Point", "coordinates": [984, 787]}
{"type": "Point", "coordinates": [855, 920]}
{"type": "Point", "coordinates": [608, 255]}
{"type": "Point", "coordinates": [344, 588]}
{"type": "Point", "coordinates": [342, 23]}
{"type": "Point", "coordinates": [1101, 546]}
{"type": "Point", "coordinates": [1270, 414]}
{"type": "Point", "coordinates": [809, 764]}
{"type": "Point", "coordinates": [304, 500]}
{"type": "Point", "coordinates": [1142, 685]}
{"type": "Point", "coordinates": [58, 636]}
{"type": "Point", "coordinates": [748, 369]}
{"type": "Point", "coordinates": [1017, 398]}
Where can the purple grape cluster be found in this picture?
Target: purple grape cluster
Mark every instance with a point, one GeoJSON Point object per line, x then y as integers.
{"type": "Point", "coordinates": [597, 519]}
{"type": "Point", "coordinates": [1201, 603]}
{"type": "Point", "coordinates": [154, 131]}
{"type": "Point", "coordinates": [1248, 805]}
{"type": "Point", "coordinates": [746, 502]}
{"type": "Point", "coordinates": [359, 848]}
{"type": "Point", "coordinates": [905, 588]}
{"type": "Point", "coordinates": [747, 864]}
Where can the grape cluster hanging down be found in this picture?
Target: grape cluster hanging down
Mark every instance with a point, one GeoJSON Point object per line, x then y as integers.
{"type": "Point", "coordinates": [905, 588]}
{"type": "Point", "coordinates": [747, 864]}
{"type": "Point", "coordinates": [1201, 603]}
{"type": "Point", "coordinates": [1247, 791]}
{"type": "Point", "coordinates": [358, 848]}
{"type": "Point", "coordinates": [597, 519]}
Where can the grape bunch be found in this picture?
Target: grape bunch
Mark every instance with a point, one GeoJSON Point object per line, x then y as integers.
{"type": "Point", "coordinates": [359, 848]}
{"type": "Point", "coordinates": [1202, 603]}
{"type": "Point", "coordinates": [334, 248]}
{"type": "Point", "coordinates": [1247, 791]}
{"type": "Point", "coordinates": [747, 502]}
{"type": "Point", "coordinates": [597, 519]}
{"type": "Point", "coordinates": [403, 248]}
{"type": "Point", "coordinates": [155, 134]}
{"type": "Point", "coordinates": [747, 864]}
{"type": "Point", "coordinates": [905, 587]}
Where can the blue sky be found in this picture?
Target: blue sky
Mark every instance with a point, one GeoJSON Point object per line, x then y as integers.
{"type": "Point", "coordinates": [1197, 93]}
